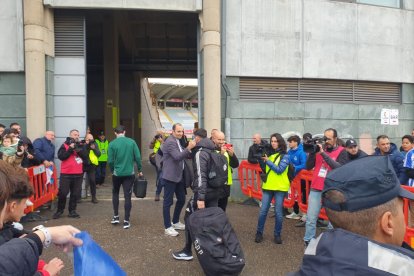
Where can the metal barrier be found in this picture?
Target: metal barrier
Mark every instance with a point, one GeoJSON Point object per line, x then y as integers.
{"type": "Point", "coordinates": [250, 183]}
{"type": "Point", "coordinates": [45, 190]}
{"type": "Point", "coordinates": [408, 211]}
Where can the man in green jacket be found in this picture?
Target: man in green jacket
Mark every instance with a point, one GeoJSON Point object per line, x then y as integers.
{"type": "Point", "coordinates": [122, 153]}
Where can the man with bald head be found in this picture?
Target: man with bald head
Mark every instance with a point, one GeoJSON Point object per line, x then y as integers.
{"type": "Point", "coordinates": [232, 161]}
{"type": "Point", "coordinates": [255, 150]}
{"type": "Point", "coordinates": [45, 149]}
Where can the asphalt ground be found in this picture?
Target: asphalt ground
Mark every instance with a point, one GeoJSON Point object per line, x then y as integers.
{"type": "Point", "coordinates": [144, 249]}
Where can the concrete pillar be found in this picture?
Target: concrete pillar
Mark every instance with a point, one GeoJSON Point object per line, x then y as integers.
{"type": "Point", "coordinates": [210, 45]}
{"type": "Point", "coordinates": [111, 74]}
{"type": "Point", "coordinates": [34, 68]}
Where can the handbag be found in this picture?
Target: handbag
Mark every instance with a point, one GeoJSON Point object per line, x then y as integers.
{"type": "Point", "coordinates": [140, 187]}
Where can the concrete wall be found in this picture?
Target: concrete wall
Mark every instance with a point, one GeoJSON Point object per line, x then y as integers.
{"type": "Point", "coordinates": [12, 99]}
{"type": "Point", "coordinates": [319, 39]}
{"type": "Point", "coordinates": [173, 5]}
{"type": "Point", "coordinates": [50, 92]}
{"type": "Point", "coordinates": [11, 36]}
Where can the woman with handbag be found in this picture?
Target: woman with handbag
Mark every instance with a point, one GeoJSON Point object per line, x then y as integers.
{"type": "Point", "coordinates": [275, 185]}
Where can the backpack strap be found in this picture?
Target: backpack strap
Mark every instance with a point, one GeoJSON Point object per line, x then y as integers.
{"type": "Point", "coordinates": [276, 157]}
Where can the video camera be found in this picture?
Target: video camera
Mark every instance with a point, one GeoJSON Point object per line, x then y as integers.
{"type": "Point", "coordinates": [262, 150]}
{"type": "Point", "coordinates": [311, 145]}
{"type": "Point", "coordinates": [78, 144]}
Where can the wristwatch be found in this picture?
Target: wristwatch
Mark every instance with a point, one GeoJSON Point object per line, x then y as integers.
{"type": "Point", "coordinates": [48, 238]}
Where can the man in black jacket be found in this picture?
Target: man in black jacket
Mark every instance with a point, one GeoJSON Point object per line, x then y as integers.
{"type": "Point", "coordinates": [351, 153]}
{"type": "Point", "coordinates": [256, 150]}
{"type": "Point", "coordinates": [204, 196]}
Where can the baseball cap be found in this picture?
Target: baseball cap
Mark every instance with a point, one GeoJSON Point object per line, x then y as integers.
{"type": "Point", "coordinates": [101, 133]}
{"type": "Point", "coordinates": [365, 183]}
{"type": "Point", "coordinates": [351, 143]}
{"type": "Point", "coordinates": [119, 129]}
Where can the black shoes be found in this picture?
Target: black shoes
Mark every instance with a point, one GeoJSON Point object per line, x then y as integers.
{"type": "Point", "coordinates": [94, 200]}
{"type": "Point", "coordinates": [73, 214]}
{"type": "Point", "coordinates": [259, 238]}
{"type": "Point", "coordinates": [157, 198]}
{"type": "Point", "coordinates": [278, 240]}
{"type": "Point", "coordinates": [115, 220]}
{"type": "Point", "coordinates": [126, 224]}
{"type": "Point", "coordinates": [58, 214]}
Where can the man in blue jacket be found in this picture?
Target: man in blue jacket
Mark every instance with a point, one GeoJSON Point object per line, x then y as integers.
{"type": "Point", "coordinates": [297, 157]}
{"type": "Point", "coordinates": [45, 149]}
{"type": "Point", "coordinates": [384, 147]}
{"type": "Point", "coordinates": [365, 206]}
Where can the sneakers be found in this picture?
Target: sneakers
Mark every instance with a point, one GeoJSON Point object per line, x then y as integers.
{"type": "Point", "coordinates": [182, 255]}
{"type": "Point", "coordinates": [178, 226]}
{"type": "Point", "coordinates": [57, 214]}
{"type": "Point", "coordinates": [278, 240]}
{"type": "Point", "coordinates": [115, 220]}
{"type": "Point", "coordinates": [171, 232]}
{"type": "Point", "coordinates": [258, 238]}
{"type": "Point", "coordinates": [293, 215]}
{"type": "Point", "coordinates": [73, 214]}
{"type": "Point", "coordinates": [126, 224]}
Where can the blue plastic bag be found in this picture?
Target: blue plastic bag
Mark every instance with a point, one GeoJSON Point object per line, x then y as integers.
{"type": "Point", "coordinates": [91, 259]}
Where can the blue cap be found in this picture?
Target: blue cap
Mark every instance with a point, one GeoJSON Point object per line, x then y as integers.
{"type": "Point", "coordinates": [365, 183]}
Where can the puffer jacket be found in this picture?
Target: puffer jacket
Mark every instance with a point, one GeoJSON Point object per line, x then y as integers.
{"type": "Point", "coordinates": [397, 160]}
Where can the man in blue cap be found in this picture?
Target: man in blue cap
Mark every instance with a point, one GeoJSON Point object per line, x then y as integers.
{"type": "Point", "coordinates": [363, 201]}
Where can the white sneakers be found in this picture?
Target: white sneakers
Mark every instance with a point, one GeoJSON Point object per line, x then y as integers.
{"type": "Point", "coordinates": [171, 232]}
{"type": "Point", "coordinates": [293, 215]}
{"type": "Point", "coordinates": [178, 226]}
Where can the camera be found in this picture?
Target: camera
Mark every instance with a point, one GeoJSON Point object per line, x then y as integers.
{"type": "Point", "coordinates": [311, 146]}
{"type": "Point", "coordinates": [262, 150]}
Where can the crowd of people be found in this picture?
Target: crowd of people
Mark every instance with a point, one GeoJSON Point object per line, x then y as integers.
{"type": "Point", "coordinates": [182, 163]}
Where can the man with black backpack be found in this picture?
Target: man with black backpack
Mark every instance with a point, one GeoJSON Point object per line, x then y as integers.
{"type": "Point", "coordinates": [205, 194]}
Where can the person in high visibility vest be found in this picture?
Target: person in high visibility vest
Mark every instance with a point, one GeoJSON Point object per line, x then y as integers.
{"type": "Point", "coordinates": [90, 165]}
{"type": "Point", "coordinates": [227, 150]}
{"type": "Point", "coordinates": [275, 186]}
{"type": "Point", "coordinates": [102, 144]}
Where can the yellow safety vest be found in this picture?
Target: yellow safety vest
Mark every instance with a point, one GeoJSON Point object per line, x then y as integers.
{"type": "Point", "coordinates": [230, 170]}
{"type": "Point", "coordinates": [276, 182]}
{"type": "Point", "coordinates": [93, 158]}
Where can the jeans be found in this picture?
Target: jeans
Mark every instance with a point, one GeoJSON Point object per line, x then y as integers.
{"type": "Point", "coordinates": [127, 182]}
{"type": "Point", "coordinates": [69, 183]}
{"type": "Point", "coordinates": [266, 200]}
{"type": "Point", "coordinates": [169, 189]}
{"type": "Point", "coordinates": [314, 207]}
{"type": "Point", "coordinates": [159, 183]}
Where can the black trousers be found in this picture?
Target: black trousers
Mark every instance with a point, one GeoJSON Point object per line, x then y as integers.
{"type": "Point", "coordinates": [224, 197]}
{"type": "Point", "coordinates": [69, 183]}
{"type": "Point", "coordinates": [127, 182]}
{"type": "Point", "coordinates": [192, 207]}
{"type": "Point", "coordinates": [91, 180]}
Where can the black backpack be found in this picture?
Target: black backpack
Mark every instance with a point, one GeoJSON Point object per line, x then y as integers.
{"type": "Point", "coordinates": [215, 242]}
{"type": "Point", "coordinates": [218, 169]}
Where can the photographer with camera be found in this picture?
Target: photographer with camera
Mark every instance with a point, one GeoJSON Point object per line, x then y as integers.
{"type": "Point", "coordinates": [322, 152]}
{"type": "Point", "coordinates": [90, 165]}
{"type": "Point", "coordinates": [258, 150]}
{"type": "Point", "coordinates": [72, 153]}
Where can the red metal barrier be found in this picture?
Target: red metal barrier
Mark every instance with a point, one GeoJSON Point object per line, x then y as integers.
{"type": "Point", "coordinates": [43, 191]}
{"type": "Point", "coordinates": [250, 185]}
{"type": "Point", "coordinates": [408, 211]}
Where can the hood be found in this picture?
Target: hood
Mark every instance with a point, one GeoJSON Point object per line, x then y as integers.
{"type": "Point", "coordinates": [206, 143]}
{"type": "Point", "coordinates": [393, 149]}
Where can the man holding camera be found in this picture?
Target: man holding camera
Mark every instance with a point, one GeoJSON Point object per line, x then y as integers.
{"type": "Point", "coordinates": [325, 150]}
{"type": "Point", "coordinates": [71, 153]}
{"type": "Point", "coordinates": [257, 151]}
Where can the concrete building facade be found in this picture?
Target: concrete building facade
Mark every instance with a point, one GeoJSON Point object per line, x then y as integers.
{"type": "Point", "coordinates": [263, 66]}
